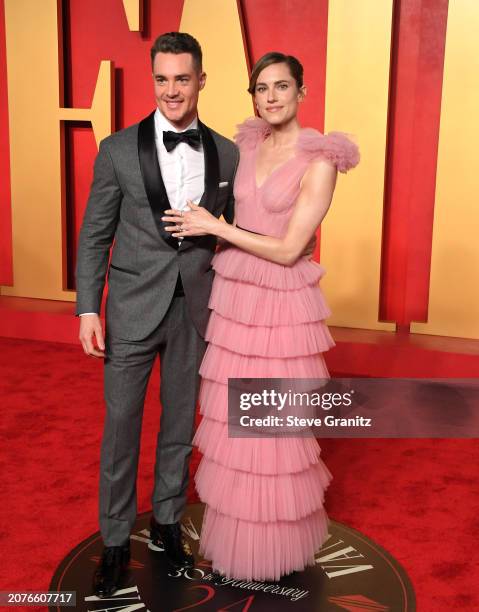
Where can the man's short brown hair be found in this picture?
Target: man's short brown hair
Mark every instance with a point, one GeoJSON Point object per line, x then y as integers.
{"type": "Point", "coordinates": [178, 42]}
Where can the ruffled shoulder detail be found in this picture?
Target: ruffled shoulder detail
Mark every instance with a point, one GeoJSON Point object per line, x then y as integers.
{"type": "Point", "coordinates": [336, 147]}
{"type": "Point", "coordinates": [250, 132]}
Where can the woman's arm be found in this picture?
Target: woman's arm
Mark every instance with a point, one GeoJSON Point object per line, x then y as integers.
{"type": "Point", "coordinates": [314, 199]}
{"type": "Point", "coordinates": [222, 241]}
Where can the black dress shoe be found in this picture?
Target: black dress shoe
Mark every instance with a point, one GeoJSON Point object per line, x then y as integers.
{"type": "Point", "coordinates": [171, 538]}
{"type": "Point", "coordinates": [109, 573]}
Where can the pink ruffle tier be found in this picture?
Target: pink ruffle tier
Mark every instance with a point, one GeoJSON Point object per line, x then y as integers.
{"type": "Point", "coordinates": [254, 550]}
{"type": "Point", "coordinates": [264, 514]}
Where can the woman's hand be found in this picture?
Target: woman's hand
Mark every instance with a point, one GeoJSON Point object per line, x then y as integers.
{"type": "Point", "coordinates": [195, 222]}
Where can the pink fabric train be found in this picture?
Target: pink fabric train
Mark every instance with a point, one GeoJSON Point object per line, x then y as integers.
{"type": "Point", "coordinates": [264, 514]}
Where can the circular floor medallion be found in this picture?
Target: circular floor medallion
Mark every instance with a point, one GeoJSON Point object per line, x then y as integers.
{"type": "Point", "coordinates": [352, 573]}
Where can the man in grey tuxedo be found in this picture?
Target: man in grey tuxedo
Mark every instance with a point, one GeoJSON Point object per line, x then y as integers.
{"type": "Point", "coordinates": [158, 292]}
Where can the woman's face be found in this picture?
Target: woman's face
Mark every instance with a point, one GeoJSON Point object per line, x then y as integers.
{"type": "Point", "coordinates": [277, 95]}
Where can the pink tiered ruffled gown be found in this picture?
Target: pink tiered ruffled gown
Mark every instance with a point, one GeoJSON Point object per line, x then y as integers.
{"type": "Point", "coordinates": [264, 514]}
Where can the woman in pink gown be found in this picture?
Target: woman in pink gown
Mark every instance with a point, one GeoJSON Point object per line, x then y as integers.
{"type": "Point", "coordinates": [264, 514]}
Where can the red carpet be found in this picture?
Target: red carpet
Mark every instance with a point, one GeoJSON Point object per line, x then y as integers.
{"type": "Point", "coordinates": [417, 498]}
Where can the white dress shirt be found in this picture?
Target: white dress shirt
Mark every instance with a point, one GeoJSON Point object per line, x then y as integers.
{"type": "Point", "coordinates": [182, 170]}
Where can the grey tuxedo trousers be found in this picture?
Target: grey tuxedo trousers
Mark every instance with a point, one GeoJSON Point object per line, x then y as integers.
{"type": "Point", "coordinates": [127, 368]}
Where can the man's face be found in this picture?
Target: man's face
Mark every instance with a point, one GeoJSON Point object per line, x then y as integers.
{"type": "Point", "coordinates": [177, 85]}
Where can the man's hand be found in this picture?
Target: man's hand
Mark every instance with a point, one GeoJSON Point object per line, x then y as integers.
{"type": "Point", "coordinates": [90, 326]}
{"type": "Point", "coordinates": [310, 247]}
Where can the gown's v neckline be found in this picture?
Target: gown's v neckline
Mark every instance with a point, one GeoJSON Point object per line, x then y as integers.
{"type": "Point", "coordinates": [276, 169]}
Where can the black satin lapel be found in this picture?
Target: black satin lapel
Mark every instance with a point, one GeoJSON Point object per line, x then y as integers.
{"type": "Point", "coordinates": [212, 168]}
{"type": "Point", "coordinates": [212, 176]}
{"type": "Point", "coordinates": [151, 173]}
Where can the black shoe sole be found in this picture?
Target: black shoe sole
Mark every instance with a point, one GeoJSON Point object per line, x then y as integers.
{"type": "Point", "coordinates": [105, 595]}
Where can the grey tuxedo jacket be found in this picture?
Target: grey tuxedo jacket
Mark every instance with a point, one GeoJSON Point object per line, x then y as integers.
{"type": "Point", "coordinates": [125, 206]}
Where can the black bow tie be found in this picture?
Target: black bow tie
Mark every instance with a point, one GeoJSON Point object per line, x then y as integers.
{"type": "Point", "coordinates": [191, 137]}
